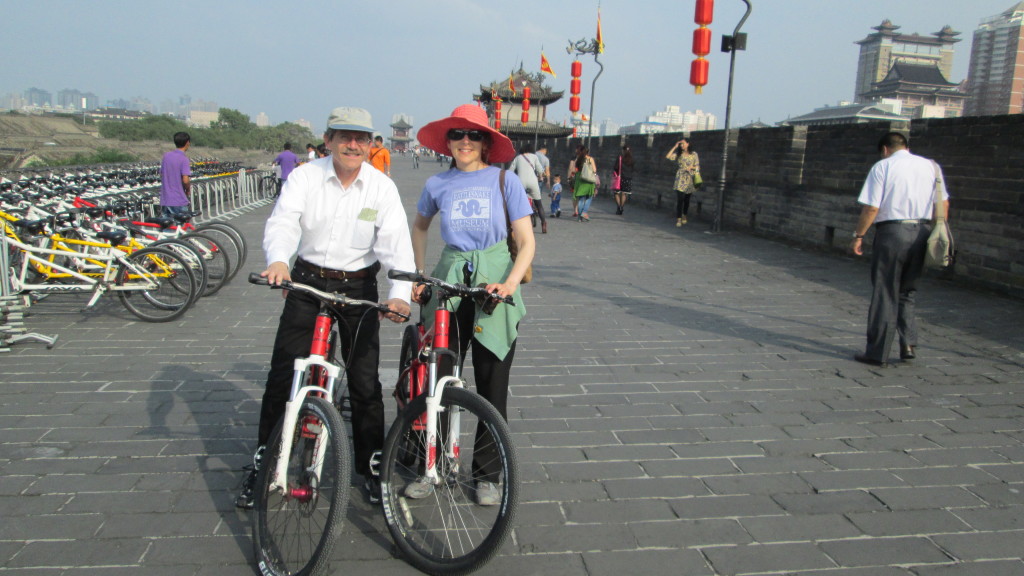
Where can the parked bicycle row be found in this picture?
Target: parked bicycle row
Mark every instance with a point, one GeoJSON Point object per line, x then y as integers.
{"type": "Point", "coordinates": [96, 233]}
{"type": "Point", "coordinates": [159, 267]}
{"type": "Point", "coordinates": [102, 179]}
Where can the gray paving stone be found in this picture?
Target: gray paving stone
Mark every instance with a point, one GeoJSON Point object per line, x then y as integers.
{"type": "Point", "coordinates": [896, 523]}
{"type": "Point", "coordinates": [775, 529]}
{"type": "Point", "coordinates": [767, 558]}
{"type": "Point", "coordinates": [884, 551]}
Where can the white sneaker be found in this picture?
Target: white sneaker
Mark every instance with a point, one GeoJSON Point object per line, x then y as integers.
{"type": "Point", "coordinates": [487, 494]}
{"type": "Point", "coordinates": [419, 488]}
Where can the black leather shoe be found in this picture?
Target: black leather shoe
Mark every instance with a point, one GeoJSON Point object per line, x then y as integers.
{"type": "Point", "coordinates": [907, 353]}
{"type": "Point", "coordinates": [865, 360]}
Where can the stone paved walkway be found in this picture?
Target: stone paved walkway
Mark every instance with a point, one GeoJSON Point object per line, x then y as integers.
{"type": "Point", "coordinates": [683, 403]}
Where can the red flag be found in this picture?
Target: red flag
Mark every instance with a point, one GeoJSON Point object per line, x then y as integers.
{"type": "Point", "coordinates": [545, 66]}
{"type": "Point", "coordinates": [511, 84]}
{"type": "Point", "coordinates": [600, 40]}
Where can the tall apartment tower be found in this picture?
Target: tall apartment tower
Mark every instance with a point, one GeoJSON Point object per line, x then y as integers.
{"type": "Point", "coordinates": [881, 50]}
{"type": "Point", "coordinates": [995, 79]}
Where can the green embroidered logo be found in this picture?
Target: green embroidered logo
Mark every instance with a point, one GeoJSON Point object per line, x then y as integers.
{"type": "Point", "coordinates": [368, 215]}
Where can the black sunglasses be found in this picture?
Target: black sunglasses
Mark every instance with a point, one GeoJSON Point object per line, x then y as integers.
{"type": "Point", "coordinates": [458, 134]}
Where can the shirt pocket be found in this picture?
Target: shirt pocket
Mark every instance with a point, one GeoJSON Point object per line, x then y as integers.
{"type": "Point", "coordinates": [362, 235]}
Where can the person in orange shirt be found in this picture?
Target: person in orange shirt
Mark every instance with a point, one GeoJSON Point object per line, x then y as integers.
{"type": "Point", "coordinates": [380, 157]}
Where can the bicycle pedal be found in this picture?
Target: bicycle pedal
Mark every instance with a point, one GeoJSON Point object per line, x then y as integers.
{"type": "Point", "coordinates": [375, 460]}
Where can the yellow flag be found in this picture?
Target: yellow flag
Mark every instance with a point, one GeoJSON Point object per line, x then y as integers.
{"type": "Point", "coordinates": [600, 40]}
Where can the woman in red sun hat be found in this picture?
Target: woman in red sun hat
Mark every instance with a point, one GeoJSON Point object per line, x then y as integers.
{"type": "Point", "coordinates": [472, 199]}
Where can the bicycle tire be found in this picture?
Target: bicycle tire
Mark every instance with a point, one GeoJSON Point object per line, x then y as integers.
{"type": "Point", "coordinates": [194, 258]}
{"type": "Point", "coordinates": [292, 536]}
{"type": "Point", "coordinates": [175, 285]}
{"type": "Point", "coordinates": [447, 532]}
{"type": "Point", "coordinates": [229, 244]}
{"type": "Point", "coordinates": [218, 263]}
{"type": "Point", "coordinates": [235, 233]}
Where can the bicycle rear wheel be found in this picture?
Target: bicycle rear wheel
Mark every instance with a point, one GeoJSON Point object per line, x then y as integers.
{"type": "Point", "coordinates": [171, 284]}
{"type": "Point", "coordinates": [229, 243]}
{"type": "Point", "coordinates": [218, 263]}
{"type": "Point", "coordinates": [447, 532]}
{"type": "Point", "coordinates": [191, 255]}
{"type": "Point", "coordinates": [295, 530]}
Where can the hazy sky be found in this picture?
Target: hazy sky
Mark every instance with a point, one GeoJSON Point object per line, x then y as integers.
{"type": "Point", "coordinates": [296, 60]}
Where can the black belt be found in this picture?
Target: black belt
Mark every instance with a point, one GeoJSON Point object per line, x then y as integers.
{"type": "Point", "coordinates": [911, 221]}
{"type": "Point", "coordinates": [369, 271]}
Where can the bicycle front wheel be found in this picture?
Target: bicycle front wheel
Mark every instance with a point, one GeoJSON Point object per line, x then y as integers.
{"type": "Point", "coordinates": [156, 284]}
{"type": "Point", "coordinates": [294, 529]}
{"type": "Point", "coordinates": [447, 531]}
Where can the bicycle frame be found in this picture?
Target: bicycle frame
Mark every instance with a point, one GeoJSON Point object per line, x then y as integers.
{"type": "Point", "coordinates": [318, 357]}
{"type": "Point", "coordinates": [97, 283]}
{"type": "Point", "coordinates": [434, 345]}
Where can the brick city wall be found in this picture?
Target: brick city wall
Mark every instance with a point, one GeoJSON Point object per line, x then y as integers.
{"type": "Point", "coordinates": [800, 184]}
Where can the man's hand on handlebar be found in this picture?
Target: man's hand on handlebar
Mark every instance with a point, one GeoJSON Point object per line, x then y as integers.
{"type": "Point", "coordinates": [276, 273]}
{"type": "Point", "coordinates": [397, 305]}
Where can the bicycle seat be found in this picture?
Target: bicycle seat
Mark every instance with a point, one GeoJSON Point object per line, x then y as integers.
{"type": "Point", "coordinates": [162, 221]}
{"type": "Point", "coordinates": [115, 237]}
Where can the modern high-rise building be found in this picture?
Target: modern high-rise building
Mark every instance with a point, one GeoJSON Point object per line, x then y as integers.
{"type": "Point", "coordinates": [995, 79]}
{"type": "Point", "coordinates": [886, 47]}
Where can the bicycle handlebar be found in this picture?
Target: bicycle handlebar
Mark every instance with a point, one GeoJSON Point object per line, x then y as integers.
{"type": "Point", "coordinates": [460, 290]}
{"type": "Point", "coordinates": [330, 297]}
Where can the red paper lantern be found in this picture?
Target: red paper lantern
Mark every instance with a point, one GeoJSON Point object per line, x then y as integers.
{"type": "Point", "coordinates": [574, 86]}
{"type": "Point", "coordinates": [526, 92]}
{"type": "Point", "coordinates": [525, 117]}
{"type": "Point", "coordinates": [699, 74]}
{"type": "Point", "coordinates": [526, 104]}
{"type": "Point", "coordinates": [576, 69]}
{"type": "Point", "coordinates": [704, 12]}
{"type": "Point", "coordinates": [702, 41]}
{"type": "Point", "coordinates": [574, 103]}
{"type": "Point", "coordinates": [497, 106]}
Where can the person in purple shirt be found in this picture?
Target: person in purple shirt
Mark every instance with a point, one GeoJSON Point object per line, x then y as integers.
{"type": "Point", "coordinates": [287, 160]}
{"type": "Point", "coordinates": [175, 177]}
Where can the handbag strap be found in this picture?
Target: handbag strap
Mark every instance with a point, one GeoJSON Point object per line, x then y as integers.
{"type": "Point", "coordinates": [939, 207]}
{"type": "Point", "coordinates": [504, 203]}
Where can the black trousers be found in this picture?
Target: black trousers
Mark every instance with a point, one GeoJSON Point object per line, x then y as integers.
{"type": "Point", "coordinates": [682, 203]}
{"type": "Point", "coordinates": [294, 338]}
{"type": "Point", "coordinates": [897, 262]}
{"type": "Point", "coordinates": [491, 375]}
{"type": "Point", "coordinates": [538, 209]}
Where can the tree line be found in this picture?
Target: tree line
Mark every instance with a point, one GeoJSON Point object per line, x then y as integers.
{"type": "Point", "coordinates": [232, 129]}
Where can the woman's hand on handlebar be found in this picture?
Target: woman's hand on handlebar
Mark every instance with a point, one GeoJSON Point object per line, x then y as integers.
{"type": "Point", "coordinates": [503, 290]}
{"type": "Point", "coordinates": [397, 305]}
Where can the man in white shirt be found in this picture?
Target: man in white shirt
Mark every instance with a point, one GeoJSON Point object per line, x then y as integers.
{"type": "Point", "coordinates": [898, 198]}
{"type": "Point", "coordinates": [344, 221]}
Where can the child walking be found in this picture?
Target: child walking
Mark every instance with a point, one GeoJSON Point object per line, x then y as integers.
{"type": "Point", "coordinates": [556, 197]}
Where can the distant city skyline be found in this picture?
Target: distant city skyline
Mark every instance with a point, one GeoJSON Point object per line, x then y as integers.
{"type": "Point", "coordinates": [426, 58]}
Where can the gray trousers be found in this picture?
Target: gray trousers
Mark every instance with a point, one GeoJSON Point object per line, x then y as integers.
{"type": "Point", "coordinates": [897, 262]}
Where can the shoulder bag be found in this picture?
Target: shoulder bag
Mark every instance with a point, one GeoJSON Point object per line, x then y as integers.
{"type": "Point", "coordinates": [940, 251]}
{"type": "Point", "coordinates": [587, 173]}
{"type": "Point", "coordinates": [510, 239]}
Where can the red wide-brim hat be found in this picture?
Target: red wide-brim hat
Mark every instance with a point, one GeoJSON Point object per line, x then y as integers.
{"type": "Point", "coordinates": [468, 117]}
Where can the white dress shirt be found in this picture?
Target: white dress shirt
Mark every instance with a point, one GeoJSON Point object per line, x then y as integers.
{"type": "Point", "coordinates": [902, 187]}
{"type": "Point", "coordinates": [341, 228]}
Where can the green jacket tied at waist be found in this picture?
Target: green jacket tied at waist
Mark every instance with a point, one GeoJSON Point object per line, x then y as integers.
{"type": "Point", "coordinates": [490, 266]}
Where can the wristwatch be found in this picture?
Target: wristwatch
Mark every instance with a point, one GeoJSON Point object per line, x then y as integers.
{"type": "Point", "coordinates": [857, 236]}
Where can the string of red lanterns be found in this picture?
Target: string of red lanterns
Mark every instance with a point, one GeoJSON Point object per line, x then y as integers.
{"type": "Point", "coordinates": [703, 15]}
{"type": "Point", "coordinates": [574, 86]}
{"type": "Point", "coordinates": [526, 105]}
{"type": "Point", "coordinates": [497, 114]}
